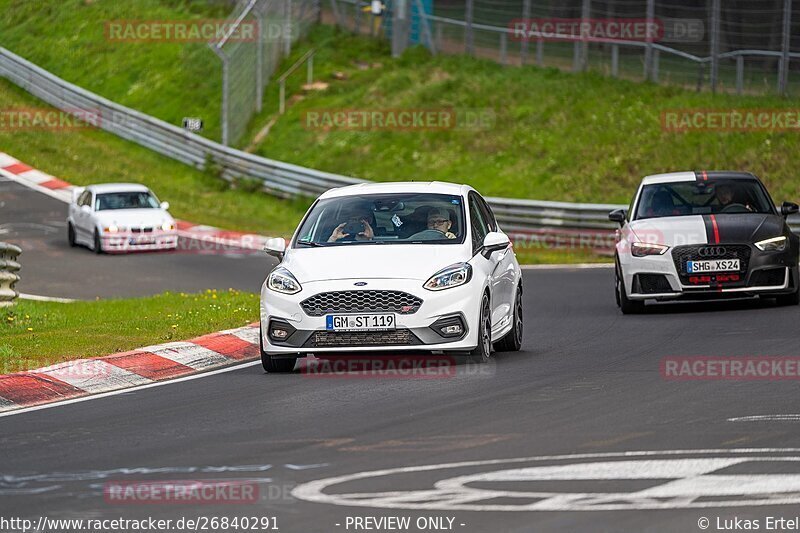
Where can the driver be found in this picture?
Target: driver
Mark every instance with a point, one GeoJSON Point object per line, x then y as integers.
{"type": "Point", "coordinates": [355, 215]}
{"type": "Point", "coordinates": [439, 221]}
{"type": "Point", "coordinates": [726, 197]}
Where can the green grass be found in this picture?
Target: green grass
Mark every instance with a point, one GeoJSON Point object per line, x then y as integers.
{"type": "Point", "coordinates": [557, 135]}
{"type": "Point", "coordinates": [169, 80]}
{"type": "Point", "coordinates": [85, 156]}
{"type": "Point", "coordinates": [35, 334]}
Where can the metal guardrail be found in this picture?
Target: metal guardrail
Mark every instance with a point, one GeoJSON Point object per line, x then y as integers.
{"type": "Point", "coordinates": [280, 178]}
{"type": "Point", "coordinates": [8, 273]}
{"type": "Point", "coordinates": [518, 216]}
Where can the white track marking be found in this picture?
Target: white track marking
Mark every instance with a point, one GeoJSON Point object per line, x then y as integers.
{"type": "Point", "coordinates": [129, 390]}
{"type": "Point", "coordinates": [187, 353]}
{"type": "Point", "coordinates": [6, 160]}
{"type": "Point", "coordinates": [247, 334]}
{"type": "Point", "coordinates": [4, 403]}
{"type": "Point", "coordinates": [37, 298]}
{"type": "Point", "coordinates": [63, 195]}
{"type": "Point", "coordinates": [767, 418]}
{"type": "Point", "coordinates": [695, 482]}
{"type": "Point", "coordinates": [35, 176]}
{"type": "Point", "coordinates": [93, 375]}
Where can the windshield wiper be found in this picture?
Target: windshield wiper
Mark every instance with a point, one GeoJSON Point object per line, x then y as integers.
{"type": "Point", "coordinates": [310, 243]}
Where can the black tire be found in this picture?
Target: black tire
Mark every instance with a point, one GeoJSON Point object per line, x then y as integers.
{"type": "Point", "coordinates": [628, 307]}
{"type": "Point", "coordinates": [97, 247]}
{"type": "Point", "coordinates": [483, 350]}
{"type": "Point", "coordinates": [512, 341]}
{"type": "Point", "coordinates": [71, 235]}
{"type": "Point", "coordinates": [273, 365]}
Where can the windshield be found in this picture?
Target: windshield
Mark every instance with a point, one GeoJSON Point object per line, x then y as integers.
{"type": "Point", "coordinates": [125, 200]}
{"type": "Point", "coordinates": [410, 218]}
{"type": "Point", "coordinates": [701, 198]}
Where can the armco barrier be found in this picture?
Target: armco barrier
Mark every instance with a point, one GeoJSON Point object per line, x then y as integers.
{"type": "Point", "coordinates": [283, 179]}
{"type": "Point", "coordinates": [8, 273]}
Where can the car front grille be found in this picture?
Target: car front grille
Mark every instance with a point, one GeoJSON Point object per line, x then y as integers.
{"type": "Point", "coordinates": [682, 254]}
{"type": "Point", "coordinates": [141, 230]}
{"type": "Point", "coordinates": [372, 301]}
{"type": "Point", "coordinates": [333, 339]}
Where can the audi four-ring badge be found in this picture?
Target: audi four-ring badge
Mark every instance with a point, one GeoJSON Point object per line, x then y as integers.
{"type": "Point", "coordinates": [392, 267]}
{"type": "Point", "coordinates": [700, 235]}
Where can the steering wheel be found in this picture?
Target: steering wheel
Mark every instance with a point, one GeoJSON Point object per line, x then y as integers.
{"type": "Point", "coordinates": [428, 235]}
{"type": "Point", "coordinates": [735, 208]}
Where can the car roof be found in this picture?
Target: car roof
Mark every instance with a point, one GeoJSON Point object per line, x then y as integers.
{"type": "Point", "coordinates": [696, 175]}
{"type": "Point", "coordinates": [435, 187]}
{"type": "Point", "coordinates": [101, 188]}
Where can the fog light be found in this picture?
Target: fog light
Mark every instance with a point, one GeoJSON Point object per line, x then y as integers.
{"type": "Point", "coordinates": [451, 330]}
{"type": "Point", "coordinates": [450, 327]}
{"type": "Point", "coordinates": [280, 331]}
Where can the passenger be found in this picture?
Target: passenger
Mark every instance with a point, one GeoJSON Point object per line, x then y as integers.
{"type": "Point", "coordinates": [358, 217]}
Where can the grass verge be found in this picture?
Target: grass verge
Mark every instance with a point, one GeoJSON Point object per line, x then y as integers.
{"type": "Point", "coordinates": [84, 156]}
{"type": "Point", "coordinates": [169, 80]}
{"type": "Point", "coordinates": [35, 334]}
{"type": "Point", "coordinates": [556, 135]}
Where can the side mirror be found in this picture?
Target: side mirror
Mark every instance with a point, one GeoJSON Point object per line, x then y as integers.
{"type": "Point", "coordinates": [619, 216]}
{"type": "Point", "coordinates": [275, 247]}
{"type": "Point", "coordinates": [77, 191]}
{"type": "Point", "coordinates": [164, 205]}
{"type": "Point", "coordinates": [494, 242]}
{"type": "Point", "coordinates": [789, 208]}
{"type": "Point", "coordinates": [86, 209]}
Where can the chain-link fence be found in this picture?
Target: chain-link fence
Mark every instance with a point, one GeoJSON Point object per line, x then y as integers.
{"type": "Point", "coordinates": [733, 46]}
{"type": "Point", "coordinates": [260, 34]}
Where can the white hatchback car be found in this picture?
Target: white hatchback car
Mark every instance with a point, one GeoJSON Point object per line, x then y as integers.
{"type": "Point", "coordinates": [120, 217]}
{"type": "Point", "coordinates": [392, 267]}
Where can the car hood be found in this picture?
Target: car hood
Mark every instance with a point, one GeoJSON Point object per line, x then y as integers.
{"type": "Point", "coordinates": [372, 261]}
{"type": "Point", "coordinates": [741, 228]}
{"type": "Point", "coordinates": [133, 217]}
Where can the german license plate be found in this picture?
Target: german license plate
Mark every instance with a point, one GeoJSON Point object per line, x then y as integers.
{"type": "Point", "coordinates": [360, 322]}
{"type": "Point", "coordinates": [715, 265]}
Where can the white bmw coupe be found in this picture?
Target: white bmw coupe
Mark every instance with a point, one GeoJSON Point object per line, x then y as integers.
{"type": "Point", "coordinates": [392, 267]}
{"type": "Point", "coordinates": [120, 217]}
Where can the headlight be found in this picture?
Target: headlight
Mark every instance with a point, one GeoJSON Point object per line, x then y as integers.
{"type": "Point", "coordinates": [281, 280]}
{"type": "Point", "coordinates": [643, 249]}
{"type": "Point", "coordinates": [168, 226]}
{"type": "Point", "coordinates": [776, 244]}
{"type": "Point", "coordinates": [449, 277]}
{"type": "Point", "coordinates": [113, 228]}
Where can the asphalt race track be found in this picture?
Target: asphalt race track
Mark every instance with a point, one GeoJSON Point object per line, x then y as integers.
{"type": "Point", "coordinates": [50, 267]}
{"type": "Point", "coordinates": [588, 385]}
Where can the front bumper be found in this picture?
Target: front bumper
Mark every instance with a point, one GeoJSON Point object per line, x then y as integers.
{"type": "Point", "coordinates": [134, 242]}
{"type": "Point", "coordinates": [308, 334]}
{"type": "Point", "coordinates": [664, 277]}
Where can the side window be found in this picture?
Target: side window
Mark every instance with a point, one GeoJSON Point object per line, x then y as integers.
{"type": "Point", "coordinates": [488, 216]}
{"type": "Point", "coordinates": [84, 198]}
{"type": "Point", "coordinates": [477, 222]}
